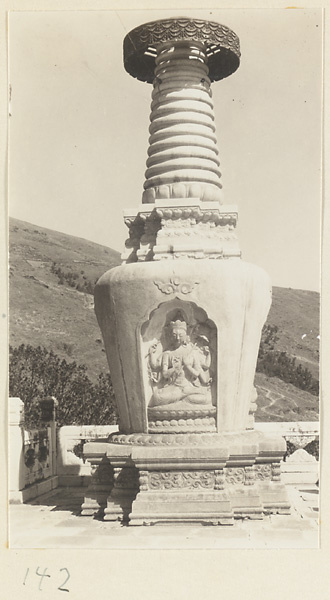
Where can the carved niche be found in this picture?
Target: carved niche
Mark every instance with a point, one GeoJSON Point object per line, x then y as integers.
{"type": "Point", "coordinates": [179, 355]}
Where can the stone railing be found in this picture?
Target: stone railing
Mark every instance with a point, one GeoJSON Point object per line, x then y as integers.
{"type": "Point", "coordinates": [72, 469]}
{"type": "Point", "coordinates": [32, 452]}
{"type": "Point", "coordinates": [301, 465]}
{"type": "Point", "coordinates": [41, 459]}
{"type": "Point", "coordinates": [298, 433]}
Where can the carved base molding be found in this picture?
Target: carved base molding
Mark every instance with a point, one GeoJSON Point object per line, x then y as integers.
{"type": "Point", "coordinates": [213, 497]}
{"type": "Point", "coordinates": [213, 508]}
{"type": "Point", "coordinates": [232, 476]}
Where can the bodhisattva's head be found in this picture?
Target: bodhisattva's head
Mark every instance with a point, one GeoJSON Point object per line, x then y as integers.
{"type": "Point", "coordinates": [179, 334]}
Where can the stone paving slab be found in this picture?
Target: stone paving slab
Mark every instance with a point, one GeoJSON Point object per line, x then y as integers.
{"type": "Point", "coordinates": [53, 521]}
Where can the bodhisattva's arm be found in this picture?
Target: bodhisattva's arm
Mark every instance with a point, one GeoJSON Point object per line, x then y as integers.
{"type": "Point", "coordinates": [204, 376]}
{"type": "Point", "coordinates": [167, 371]}
{"type": "Point", "coordinates": [193, 365]}
{"type": "Point", "coordinates": [207, 361]}
{"type": "Point", "coordinates": [155, 356]}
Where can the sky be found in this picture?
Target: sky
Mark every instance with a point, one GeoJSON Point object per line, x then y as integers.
{"type": "Point", "coordinates": [78, 135]}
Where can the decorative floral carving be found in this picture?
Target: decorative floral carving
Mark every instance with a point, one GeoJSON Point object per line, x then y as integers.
{"type": "Point", "coordinates": [181, 479]}
{"type": "Point", "coordinates": [176, 286]}
{"type": "Point", "coordinates": [235, 475]}
{"type": "Point", "coordinates": [263, 472]}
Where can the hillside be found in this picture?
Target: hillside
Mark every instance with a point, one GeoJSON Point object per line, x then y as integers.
{"type": "Point", "coordinates": [296, 313]}
{"type": "Point", "coordinates": [43, 311]}
{"type": "Point", "coordinates": [47, 309]}
{"type": "Point", "coordinates": [280, 401]}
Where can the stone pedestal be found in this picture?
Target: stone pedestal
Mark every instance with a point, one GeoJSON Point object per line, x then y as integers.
{"type": "Point", "coordinates": [183, 478]}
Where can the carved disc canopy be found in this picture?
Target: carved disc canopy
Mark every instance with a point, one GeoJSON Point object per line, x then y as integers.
{"type": "Point", "coordinates": [221, 43]}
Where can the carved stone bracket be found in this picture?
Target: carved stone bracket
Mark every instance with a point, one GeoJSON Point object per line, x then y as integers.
{"type": "Point", "coordinates": [219, 480]}
{"type": "Point", "coordinates": [276, 471]}
{"type": "Point", "coordinates": [143, 480]}
{"type": "Point", "coordinates": [249, 475]}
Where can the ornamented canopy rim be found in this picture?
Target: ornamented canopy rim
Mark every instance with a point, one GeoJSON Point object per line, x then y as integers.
{"type": "Point", "coordinates": [221, 45]}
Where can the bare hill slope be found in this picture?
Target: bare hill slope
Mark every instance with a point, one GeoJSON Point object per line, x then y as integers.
{"type": "Point", "coordinates": [48, 313]}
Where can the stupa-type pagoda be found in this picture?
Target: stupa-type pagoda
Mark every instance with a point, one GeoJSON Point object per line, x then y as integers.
{"type": "Point", "coordinates": [181, 318]}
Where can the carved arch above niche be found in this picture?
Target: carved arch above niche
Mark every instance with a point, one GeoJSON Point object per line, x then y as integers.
{"type": "Point", "coordinates": [179, 364]}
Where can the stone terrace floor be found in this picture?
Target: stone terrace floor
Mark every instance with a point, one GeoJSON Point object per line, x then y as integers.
{"type": "Point", "coordinates": [53, 521]}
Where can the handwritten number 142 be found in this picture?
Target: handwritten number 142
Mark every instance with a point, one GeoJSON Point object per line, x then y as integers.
{"type": "Point", "coordinates": [43, 574]}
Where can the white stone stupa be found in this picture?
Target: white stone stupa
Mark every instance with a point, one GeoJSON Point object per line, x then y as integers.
{"type": "Point", "coordinates": [182, 317]}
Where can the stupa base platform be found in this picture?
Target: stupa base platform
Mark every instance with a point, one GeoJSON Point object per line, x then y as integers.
{"type": "Point", "coordinates": [185, 478]}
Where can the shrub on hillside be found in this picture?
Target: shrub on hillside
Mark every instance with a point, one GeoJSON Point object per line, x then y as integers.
{"type": "Point", "coordinates": [269, 339]}
{"type": "Point", "coordinates": [75, 280]}
{"type": "Point", "coordinates": [274, 363]}
{"type": "Point", "coordinates": [36, 372]}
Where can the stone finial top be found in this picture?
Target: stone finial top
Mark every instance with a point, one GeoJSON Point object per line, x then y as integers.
{"type": "Point", "coordinates": [221, 43]}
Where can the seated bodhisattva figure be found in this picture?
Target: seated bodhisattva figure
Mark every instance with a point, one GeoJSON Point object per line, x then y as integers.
{"type": "Point", "coordinates": [181, 373]}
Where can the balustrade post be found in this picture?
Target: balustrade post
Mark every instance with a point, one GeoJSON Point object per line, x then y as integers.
{"type": "Point", "coordinates": [48, 407]}
{"type": "Point", "coordinates": [16, 449]}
